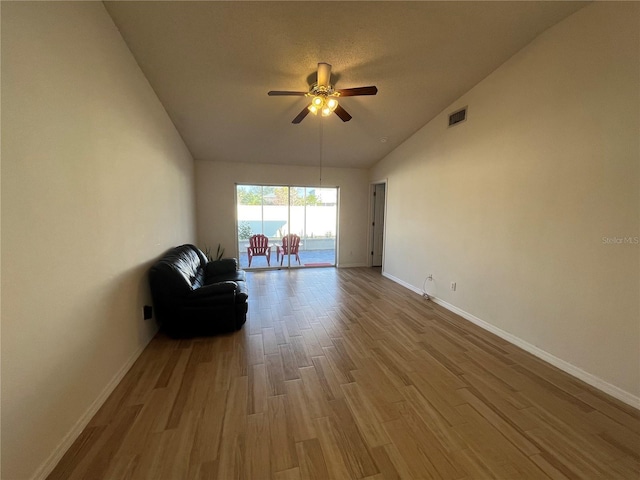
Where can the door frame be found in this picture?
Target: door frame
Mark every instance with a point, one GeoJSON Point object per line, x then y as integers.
{"type": "Point", "coordinates": [370, 233]}
{"type": "Point", "coordinates": [289, 265]}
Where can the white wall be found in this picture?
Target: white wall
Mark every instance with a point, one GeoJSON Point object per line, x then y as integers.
{"type": "Point", "coordinates": [96, 183]}
{"type": "Point", "coordinates": [216, 209]}
{"type": "Point", "coordinates": [312, 220]}
{"type": "Point", "coordinates": [514, 203]}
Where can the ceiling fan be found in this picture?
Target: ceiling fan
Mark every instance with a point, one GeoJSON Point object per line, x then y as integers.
{"type": "Point", "coordinates": [324, 98]}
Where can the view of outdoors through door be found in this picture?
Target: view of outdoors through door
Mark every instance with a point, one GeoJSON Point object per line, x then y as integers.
{"type": "Point", "coordinates": [277, 211]}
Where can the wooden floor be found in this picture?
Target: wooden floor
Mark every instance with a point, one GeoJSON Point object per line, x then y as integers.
{"type": "Point", "coordinates": [344, 374]}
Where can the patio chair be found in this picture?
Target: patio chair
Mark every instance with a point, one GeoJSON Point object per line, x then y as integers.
{"type": "Point", "coordinates": [290, 246]}
{"type": "Point", "coordinates": [259, 247]}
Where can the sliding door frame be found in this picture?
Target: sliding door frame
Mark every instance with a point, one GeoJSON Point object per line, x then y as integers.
{"type": "Point", "coordinates": [289, 263]}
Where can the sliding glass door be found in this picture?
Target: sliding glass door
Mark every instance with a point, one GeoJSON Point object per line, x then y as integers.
{"type": "Point", "coordinates": [299, 223]}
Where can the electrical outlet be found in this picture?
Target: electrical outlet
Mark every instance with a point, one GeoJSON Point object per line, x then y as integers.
{"type": "Point", "coordinates": [147, 312]}
{"type": "Point", "coordinates": [453, 286]}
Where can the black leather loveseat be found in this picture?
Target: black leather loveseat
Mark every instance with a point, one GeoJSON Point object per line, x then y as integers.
{"type": "Point", "coordinates": [193, 296]}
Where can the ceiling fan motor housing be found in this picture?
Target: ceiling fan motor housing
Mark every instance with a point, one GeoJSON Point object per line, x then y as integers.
{"type": "Point", "coordinates": [324, 74]}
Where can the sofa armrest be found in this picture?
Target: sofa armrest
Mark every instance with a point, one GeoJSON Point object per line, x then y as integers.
{"type": "Point", "coordinates": [218, 267]}
{"type": "Point", "coordinates": [220, 288]}
{"type": "Point", "coordinates": [209, 296]}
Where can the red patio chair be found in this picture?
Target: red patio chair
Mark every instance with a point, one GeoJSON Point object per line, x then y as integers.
{"type": "Point", "coordinates": [259, 247]}
{"type": "Point", "coordinates": [290, 246]}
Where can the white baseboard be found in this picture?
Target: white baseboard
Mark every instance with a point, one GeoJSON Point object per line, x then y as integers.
{"type": "Point", "coordinates": [402, 282]}
{"type": "Point", "coordinates": [351, 265]}
{"type": "Point", "coordinates": [47, 467]}
{"type": "Point", "coordinates": [563, 365]}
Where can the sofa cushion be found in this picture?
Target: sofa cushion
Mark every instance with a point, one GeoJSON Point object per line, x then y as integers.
{"type": "Point", "coordinates": [177, 272]}
{"type": "Point", "coordinates": [200, 253]}
{"type": "Point", "coordinates": [220, 267]}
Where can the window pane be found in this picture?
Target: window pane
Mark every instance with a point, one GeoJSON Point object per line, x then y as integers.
{"type": "Point", "coordinates": [276, 211]}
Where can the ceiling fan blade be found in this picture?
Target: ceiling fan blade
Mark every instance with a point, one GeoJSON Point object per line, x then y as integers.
{"type": "Point", "coordinates": [301, 116]}
{"type": "Point", "coordinates": [354, 92]}
{"type": "Point", "coordinates": [278, 93]}
{"type": "Point", "coordinates": [342, 113]}
{"type": "Point", "coordinates": [324, 74]}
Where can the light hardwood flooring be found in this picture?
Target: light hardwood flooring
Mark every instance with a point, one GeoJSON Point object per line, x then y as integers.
{"type": "Point", "coordinates": [341, 373]}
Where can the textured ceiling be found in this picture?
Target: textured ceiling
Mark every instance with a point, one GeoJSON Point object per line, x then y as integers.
{"type": "Point", "coordinates": [212, 64]}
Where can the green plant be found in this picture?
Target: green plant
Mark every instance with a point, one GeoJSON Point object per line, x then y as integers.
{"type": "Point", "coordinates": [244, 230]}
{"type": "Point", "coordinates": [219, 253]}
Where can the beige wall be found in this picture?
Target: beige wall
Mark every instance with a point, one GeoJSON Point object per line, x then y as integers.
{"type": "Point", "coordinates": [96, 183]}
{"type": "Point", "coordinates": [514, 203]}
{"type": "Point", "coordinates": [216, 214]}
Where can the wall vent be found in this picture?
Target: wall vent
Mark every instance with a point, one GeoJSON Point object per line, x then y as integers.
{"type": "Point", "coordinates": [457, 116]}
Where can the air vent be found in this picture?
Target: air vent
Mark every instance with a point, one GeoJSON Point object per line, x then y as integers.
{"type": "Point", "coordinates": [457, 117]}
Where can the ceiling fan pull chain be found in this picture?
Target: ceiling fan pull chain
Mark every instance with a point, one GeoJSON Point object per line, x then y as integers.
{"type": "Point", "coordinates": [321, 142]}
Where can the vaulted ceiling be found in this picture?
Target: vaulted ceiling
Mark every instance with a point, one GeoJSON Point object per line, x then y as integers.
{"type": "Point", "coordinates": [212, 64]}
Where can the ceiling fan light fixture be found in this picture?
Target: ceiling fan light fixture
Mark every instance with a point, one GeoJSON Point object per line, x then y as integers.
{"type": "Point", "coordinates": [324, 104]}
